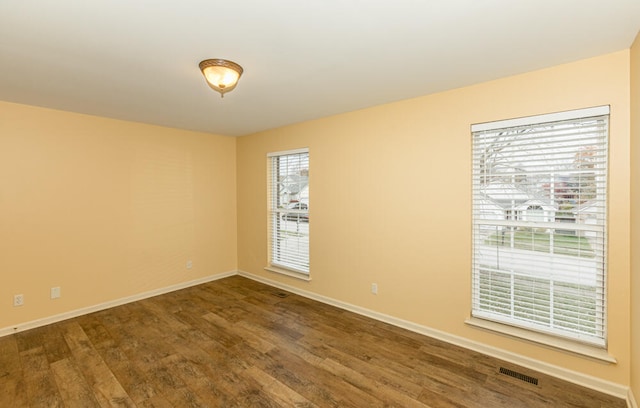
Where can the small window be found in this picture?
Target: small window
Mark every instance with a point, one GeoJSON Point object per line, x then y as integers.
{"type": "Point", "coordinates": [539, 223]}
{"type": "Point", "coordinates": [288, 186]}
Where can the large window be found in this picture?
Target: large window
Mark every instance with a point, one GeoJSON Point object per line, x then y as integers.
{"type": "Point", "coordinates": [539, 223]}
{"type": "Point", "coordinates": [288, 185]}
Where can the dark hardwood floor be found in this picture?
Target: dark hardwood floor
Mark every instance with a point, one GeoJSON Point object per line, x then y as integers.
{"type": "Point", "coordinates": [236, 343]}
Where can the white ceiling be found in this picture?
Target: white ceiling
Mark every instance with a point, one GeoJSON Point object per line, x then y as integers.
{"type": "Point", "coordinates": [303, 59]}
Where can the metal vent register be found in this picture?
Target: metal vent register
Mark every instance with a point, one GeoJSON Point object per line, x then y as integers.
{"type": "Point", "coordinates": [519, 376]}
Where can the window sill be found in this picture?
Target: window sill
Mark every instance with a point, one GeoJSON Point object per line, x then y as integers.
{"type": "Point", "coordinates": [584, 350]}
{"type": "Point", "coordinates": [288, 272]}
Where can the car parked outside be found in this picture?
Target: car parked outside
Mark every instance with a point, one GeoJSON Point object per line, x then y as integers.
{"type": "Point", "coordinates": [298, 206]}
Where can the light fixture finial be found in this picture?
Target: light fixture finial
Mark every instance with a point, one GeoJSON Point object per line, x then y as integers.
{"type": "Point", "coordinates": [221, 75]}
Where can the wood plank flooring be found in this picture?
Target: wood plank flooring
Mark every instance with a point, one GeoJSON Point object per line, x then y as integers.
{"type": "Point", "coordinates": [235, 343]}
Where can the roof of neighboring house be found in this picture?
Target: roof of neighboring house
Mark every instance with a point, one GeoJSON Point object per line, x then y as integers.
{"type": "Point", "coordinates": [535, 202]}
{"type": "Point", "coordinates": [505, 194]}
{"type": "Point", "coordinates": [587, 206]}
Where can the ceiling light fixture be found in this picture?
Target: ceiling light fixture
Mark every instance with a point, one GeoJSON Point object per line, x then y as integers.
{"type": "Point", "coordinates": [221, 75]}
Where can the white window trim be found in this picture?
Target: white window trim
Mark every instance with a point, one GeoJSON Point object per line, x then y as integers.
{"type": "Point", "coordinates": [591, 350]}
{"type": "Point", "coordinates": [548, 117]}
{"type": "Point", "coordinates": [568, 345]}
{"type": "Point", "coordinates": [288, 272]}
{"type": "Point", "coordinates": [286, 152]}
{"type": "Point", "coordinates": [275, 266]}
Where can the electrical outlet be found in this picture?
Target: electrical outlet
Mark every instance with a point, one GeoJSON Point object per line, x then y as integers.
{"type": "Point", "coordinates": [18, 300]}
{"type": "Point", "coordinates": [55, 292]}
{"type": "Point", "coordinates": [189, 264]}
{"type": "Point", "coordinates": [374, 288]}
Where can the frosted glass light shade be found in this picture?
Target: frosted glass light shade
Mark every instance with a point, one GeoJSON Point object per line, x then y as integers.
{"type": "Point", "coordinates": [221, 75]}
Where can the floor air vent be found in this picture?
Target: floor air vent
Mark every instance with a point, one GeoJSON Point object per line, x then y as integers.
{"type": "Point", "coordinates": [281, 295]}
{"type": "Point", "coordinates": [519, 376]}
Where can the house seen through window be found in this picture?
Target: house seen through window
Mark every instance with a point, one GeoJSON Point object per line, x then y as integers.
{"type": "Point", "coordinates": [539, 223]}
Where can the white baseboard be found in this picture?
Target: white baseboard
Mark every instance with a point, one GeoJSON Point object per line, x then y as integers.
{"type": "Point", "coordinates": [106, 305]}
{"type": "Point", "coordinates": [574, 377]}
{"type": "Point", "coordinates": [631, 401]}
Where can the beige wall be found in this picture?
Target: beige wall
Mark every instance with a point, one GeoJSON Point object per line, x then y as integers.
{"type": "Point", "coordinates": [390, 196]}
{"type": "Point", "coordinates": [107, 209]}
{"type": "Point", "coordinates": [635, 217]}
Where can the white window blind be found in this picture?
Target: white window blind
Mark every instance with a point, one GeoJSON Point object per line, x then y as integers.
{"type": "Point", "coordinates": [539, 223]}
{"type": "Point", "coordinates": [288, 185]}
